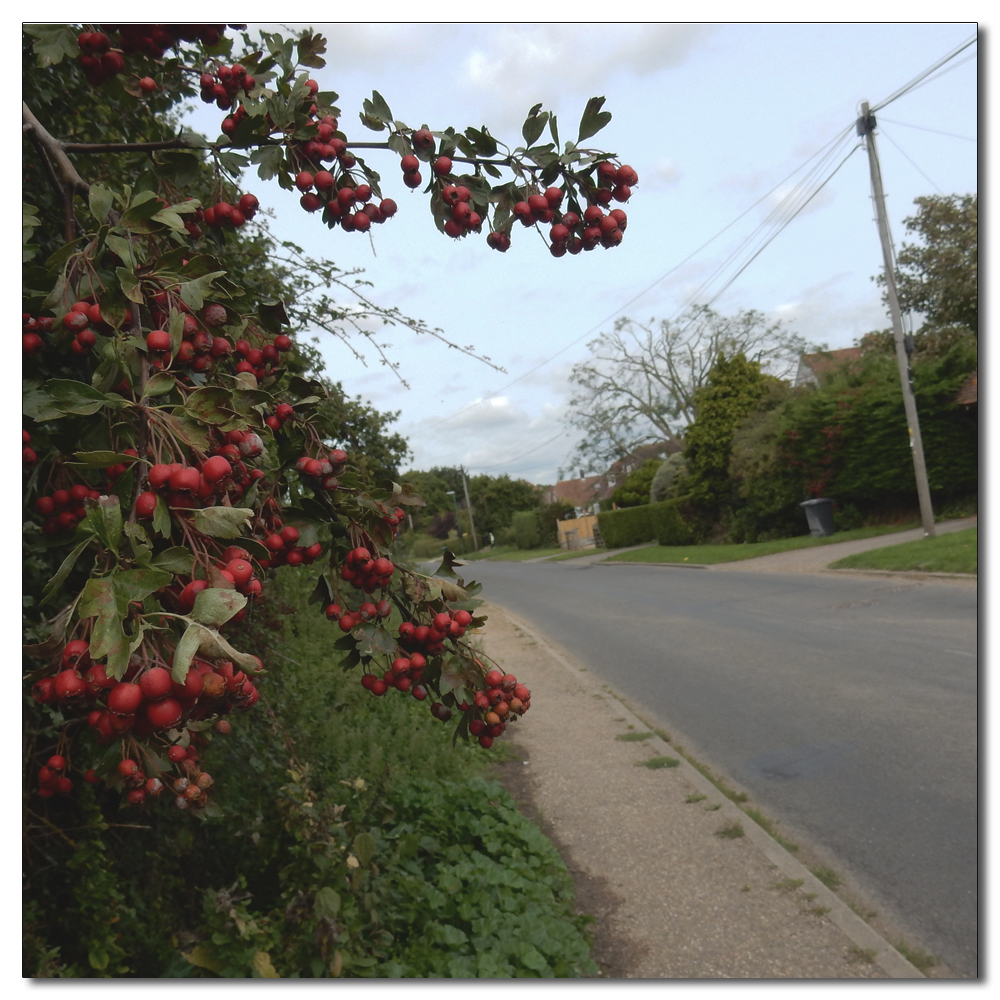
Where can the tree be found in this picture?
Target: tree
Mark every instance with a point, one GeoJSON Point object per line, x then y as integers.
{"type": "Point", "coordinates": [495, 500]}
{"type": "Point", "coordinates": [733, 389]}
{"type": "Point", "coordinates": [939, 275]}
{"type": "Point", "coordinates": [640, 384]}
{"type": "Point", "coordinates": [664, 481]}
{"type": "Point", "coordinates": [210, 454]}
{"type": "Point", "coordinates": [635, 491]}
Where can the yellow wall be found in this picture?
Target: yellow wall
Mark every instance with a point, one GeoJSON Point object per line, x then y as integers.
{"type": "Point", "coordinates": [577, 533]}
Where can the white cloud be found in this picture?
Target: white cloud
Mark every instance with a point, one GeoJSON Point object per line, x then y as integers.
{"type": "Point", "coordinates": [520, 64]}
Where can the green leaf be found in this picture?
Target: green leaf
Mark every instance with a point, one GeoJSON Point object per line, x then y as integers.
{"type": "Point", "coordinates": [52, 587]}
{"type": "Point", "coordinates": [373, 639]}
{"type": "Point", "coordinates": [104, 515]}
{"type": "Point", "coordinates": [211, 405]}
{"type": "Point", "coordinates": [161, 518]}
{"type": "Point", "coordinates": [186, 651]}
{"type": "Point", "coordinates": [139, 218]}
{"type": "Point", "coordinates": [55, 42]}
{"type": "Point", "coordinates": [137, 584]}
{"type": "Point", "coordinates": [272, 316]}
{"type": "Point", "coordinates": [80, 398]}
{"type": "Point", "coordinates": [380, 107]}
{"type": "Point", "coordinates": [270, 160]}
{"type": "Point", "coordinates": [364, 848]}
{"type": "Point", "coordinates": [124, 249]}
{"type": "Point", "coordinates": [222, 522]}
{"type": "Point", "coordinates": [100, 200]}
{"type": "Point", "coordinates": [534, 125]}
{"type": "Point", "coordinates": [38, 404]}
{"type": "Point", "coordinates": [326, 904]}
{"type": "Point", "coordinates": [98, 593]}
{"type": "Point", "coordinates": [100, 459]}
{"type": "Point", "coordinates": [594, 119]}
{"type": "Point", "coordinates": [130, 285]}
{"type": "Point", "coordinates": [214, 606]}
{"type": "Point", "coordinates": [176, 559]}
{"type": "Point", "coordinates": [194, 293]}
{"type": "Point", "coordinates": [159, 384]}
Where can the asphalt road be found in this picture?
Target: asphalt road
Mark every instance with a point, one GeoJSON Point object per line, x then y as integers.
{"type": "Point", "coordinates": [847, 706]}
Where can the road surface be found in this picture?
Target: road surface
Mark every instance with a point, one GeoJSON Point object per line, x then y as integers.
{"type": "Point", "coordinates": [847, 706]}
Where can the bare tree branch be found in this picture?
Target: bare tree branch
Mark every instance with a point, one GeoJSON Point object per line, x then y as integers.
{"type": "Point", "coordinates": [638, 387]}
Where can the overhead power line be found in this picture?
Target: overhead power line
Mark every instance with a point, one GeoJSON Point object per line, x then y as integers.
{"type": "Point", "coordinates": [923, 128]}
{"type": "Point", "coordinates": [823, 150]}
{"type": "Point", "coordinates": [910, 160]}
{"type": "Point", "coordinates": [924, 75]}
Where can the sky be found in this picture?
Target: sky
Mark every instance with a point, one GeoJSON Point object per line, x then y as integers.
{"type": "Point", "coordinates": [720, 121]}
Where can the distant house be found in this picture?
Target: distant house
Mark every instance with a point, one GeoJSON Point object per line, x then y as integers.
{"type": "Point", "coordinates": [587, 492]}
{"type": "Point", "coordinates": [811, 366]}
{"type": "Point", "coordinates": [968, 393]}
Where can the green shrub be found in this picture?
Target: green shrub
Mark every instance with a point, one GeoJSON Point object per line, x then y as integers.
{"type": "Point", "coordinates": [650, 522]}
{"type": "Point", "coordinates": [669, 524]}
{"type": "Point", "coordinates": [525, 528]}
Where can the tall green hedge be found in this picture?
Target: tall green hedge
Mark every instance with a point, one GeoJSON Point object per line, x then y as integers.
{"type": "Point", "coordinates": [661, 522]}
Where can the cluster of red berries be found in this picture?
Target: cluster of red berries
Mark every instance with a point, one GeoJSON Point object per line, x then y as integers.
{"type": "Point", "coordinates": [367, 573]}
{"type": "Point", "coordinates": [183, 486]}
{"type": "Point", "coordinates": [31, 342]}
{"type": "Point", "coordinates": [430, 638]}
{"type": "Point", "coordinates": [404, 675]}
{"type": "Point", "coordinates": [201, 350]}
{"type": "Point", "coordinates": [146, 702]}
{"type": "Point", "coordinates": [366, 613]}
{"type": "Point", "coordinates": [222, 88]}
{"type": "Point", "coordinates": [323, 471]}
{"type": "Point", "coordinates": [52, 779]}
{"type": "Point", "coordinates": [78, 321]}
{"type": "Point", "coordinates": [463, 218]}
{"type": "Point", "coordinates": [410, 166]}
{"type": "Point", "coordinates": [503, 699]}
{"type": "Point", "coordinates": [284, 550]}
{"type": "Point", "coordinates": [63, 510]}
{"type": "Point", "coordinates": [573, 234]}
{"type": "Point", "coordinates": [100, 61]}
{"type": "Point", "coordinates": [340, 200]}
{"type": "Point", "coordinates": [283, 413]}
{"type": "Point", "coordinates": [223, 215]}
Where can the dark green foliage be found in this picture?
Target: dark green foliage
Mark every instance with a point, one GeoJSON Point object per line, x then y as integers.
{"type": "Point", "coordinates": [547, 518]}
{"type": "Point", "coordinates": [847, 440]}
{"type": "Point", "coordinates": [359, 841]}
{"type": "Point", "coordinates": [735, 386]}
{"type": "Point", "coordinates": [668, 523]}
{"type": "Point", "coordinates": [662, 522]}
{"type": "Point", "coordinates": [635, 490]}
{"type": "Point", "coordinates": [524, 525]}
{"type": "Point", "coordinates": [496, 499]}
{"type": "Point", "coordinates": [939, 276]}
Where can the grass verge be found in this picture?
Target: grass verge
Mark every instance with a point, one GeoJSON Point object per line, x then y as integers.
{"type": "Point", "coordinates": [956, 552]}
{"type": "Point", "coordinates": [710, 555]}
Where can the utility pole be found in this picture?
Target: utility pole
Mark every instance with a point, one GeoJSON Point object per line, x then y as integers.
{"type": "Point", "coordinates": [866, 128]}
{"type": "Point", "coordinates": [468, 507]}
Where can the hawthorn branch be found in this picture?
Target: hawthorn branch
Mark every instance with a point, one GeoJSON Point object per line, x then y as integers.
{"type": "Point", "coordinates": [54, 149]}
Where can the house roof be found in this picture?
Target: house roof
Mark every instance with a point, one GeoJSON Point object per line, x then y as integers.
{"type": "Point", "coordinates": [968, 394]}
{"type": "Point", "coordinates": [811, 366]}
{"type": "Point", "coordinates": [583, 492]}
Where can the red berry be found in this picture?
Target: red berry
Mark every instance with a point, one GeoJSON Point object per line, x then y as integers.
{"type": "Point", "coordinates": [156, 683]}
{"type": "Point", "coordinates": [412, 180]}
{"type": "Point", "coordinates": [158, 340]}
{"type": "Point", "coordinates": [145, 505]}
{"type": "Point", "coordinates": [216, 468]}
{"type": "Point", "coordinates": [124, 698]}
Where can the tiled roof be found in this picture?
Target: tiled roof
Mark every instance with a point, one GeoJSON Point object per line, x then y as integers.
{"type": "Point", "coordinates": [811, 366]}
{"type": "Point", "coordinates": [968, 394]}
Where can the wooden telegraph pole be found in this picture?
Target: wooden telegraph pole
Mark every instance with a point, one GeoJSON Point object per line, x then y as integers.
{"type": "Point", "coordinates": [866, 128]}
{"type": "Point", "coordinates": [468, 507]}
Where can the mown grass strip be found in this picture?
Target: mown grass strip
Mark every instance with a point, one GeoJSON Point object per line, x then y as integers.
{"type": "Point", "coordinates": [956, 552]}
{"type": "Point", "coordinates": [709, 555]}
